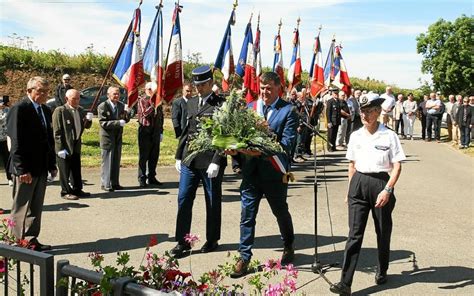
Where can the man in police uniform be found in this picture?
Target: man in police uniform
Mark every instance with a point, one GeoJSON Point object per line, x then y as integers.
{"type": "Point", "coordinates": [207, 167]}
{"type": "Point", "coordinates": [374, 151]}
{"type": "Point", "coordinates": [333, 116]}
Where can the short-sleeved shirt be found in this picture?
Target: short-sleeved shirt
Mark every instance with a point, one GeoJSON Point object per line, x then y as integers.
{"type": "Point", "coordinates": [374, 153]}
{"type": "Point", "coordinates": [388, 104]}
{"type": "Point", "coordinates": [431, 103]}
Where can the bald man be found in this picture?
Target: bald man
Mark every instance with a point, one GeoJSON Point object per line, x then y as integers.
{"type": "Point", "coordinates": [69, 122]}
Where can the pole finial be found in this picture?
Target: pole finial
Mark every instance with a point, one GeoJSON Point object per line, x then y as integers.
{"type": "Point", "coordinates": [298, 23]}
{"type": "Point", "coordinates": [236, 3]}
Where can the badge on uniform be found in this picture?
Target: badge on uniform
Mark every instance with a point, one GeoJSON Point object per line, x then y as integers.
{"type": "Point", "coordinates": [68, 121]}
{"type": "Point", "coordinates": [383, 148]}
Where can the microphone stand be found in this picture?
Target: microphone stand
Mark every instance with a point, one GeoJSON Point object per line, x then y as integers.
{"type": "Point", "coordinates": [317, 267]}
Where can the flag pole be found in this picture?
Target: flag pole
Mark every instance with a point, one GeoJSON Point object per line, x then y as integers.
{"type": "Point", "coordinates": [177, 8]}
{"type": "Point", "coordinates": [122, 44]}
{"type": "Point", "coordinates": [232, 75]}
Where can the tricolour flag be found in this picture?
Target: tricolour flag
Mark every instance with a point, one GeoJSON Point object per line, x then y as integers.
{"type": "Point", "coordinates": [225, 57]}
{"type": "Point", "coordinates": [153, 55]}
{"type": "Point", "coordinates": [174, 60]}
{"type": "Point", "coordinates": [128, 70]}
{"type": "Point", "coordinates": [294, 71]}
{"type": "Point", "coordinates": [247, 45]}
{"type": "Point", "coordinates": [329, 66]}
{"type": "Point", "coordinates": [253, 69]}
{"type": "Point", "coordinates": [341, 78]}
{"type": "Point", "coordinates": [316, 71]}
{"type": "Point", "coordinates": [278, 61]}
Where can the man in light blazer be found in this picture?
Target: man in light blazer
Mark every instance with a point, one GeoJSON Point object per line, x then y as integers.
{"type": "Point", "coordinates": [69, 122]}
{"type": "Point", "coordinates": [113, 115]}
{"type": "Point", "coordinates": [31, 158]}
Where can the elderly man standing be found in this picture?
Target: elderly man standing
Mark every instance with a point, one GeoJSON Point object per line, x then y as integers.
{"type": "Point", "coordinates": [433, 106]}
{"type": "Point", "coordinates": [206, 167]}
{"type": "Point", "coordinates": [32, 156]}
{"type": "Point", "coordinates": [61, 90]}
{"type": "Point", "coordinates": [387, 106]}
{"type": "Point", "coordinates": [113, 115]}
{"type": "Point", "coordinates": [260, 178]}
{"type": "Point", "coordinates": [69, 122]}
{"type": "Point", "coordinates": [150, 135]}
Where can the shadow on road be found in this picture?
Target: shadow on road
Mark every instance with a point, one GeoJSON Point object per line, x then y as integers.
{"type": "Point", "coordinates": [110, 245]}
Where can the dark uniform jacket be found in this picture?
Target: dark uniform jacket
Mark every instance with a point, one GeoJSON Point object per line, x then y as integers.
{"type": "Point", "coordinates": [179, 115]}
{"type": "Point", "coordinates": [65, 130]}
{"type": "Point", "coordinates": [201, 160]}
{"type": "Point", "coordinates": [333, 111]}
{"type": "Point", "coordinates": [32, 145]}
{"type": "Point", "coordinates": [110, 129]}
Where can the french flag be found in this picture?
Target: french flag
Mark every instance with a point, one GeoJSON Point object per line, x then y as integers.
{"type": "Point", "coordinates": [225, 58]}
{"type": "Point", "coordinates": [174, 65]}
{"type": "Point", "coordinates": [247, 45]}
{"type": "Point", "coordinates": [341, 78]}
{"type": "Point", "coordinates": [253, 69]}
{"type": "Point", "coordinates": [278, 61]}
{"type": "Point", "coordinates": [294, 71]}
{"type": "Point", "coordinates": [153, 54]}
{"type": "Point", "coordinates": [128, 70]}
{"type": "Point", "coordinates": [316, 71]}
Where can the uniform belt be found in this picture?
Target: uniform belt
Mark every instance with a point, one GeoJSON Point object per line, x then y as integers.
{"type": "Point", "coordinates": [379, 175]}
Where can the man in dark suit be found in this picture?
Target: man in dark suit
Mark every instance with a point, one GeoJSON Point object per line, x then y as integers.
{"type": "Point", "coordinates": [260, 175]}
{"type": "Point", "coordinates": [150, 135]}
{"type": "Point", "coordinates": [32, 156]}
{"type": "Point", "coordinates": [333, 117]}
{"type": "Point", "coordinates": [69, 122]}
{"type": "Point", "coordinates": [207, 167]}
{"type": "Point", "coordinates": [63, 87]}
{"type": "Point", "coordinates": [179, 112]}
{"type": "Point", "coordinates": [113, 115]}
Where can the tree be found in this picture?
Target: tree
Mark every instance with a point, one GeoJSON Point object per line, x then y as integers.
{"type": "Point", "coordinates": [447, 50]}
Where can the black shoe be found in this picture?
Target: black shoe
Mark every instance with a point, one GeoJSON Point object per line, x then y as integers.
{"type": "Point", "coordinates": [81, 193]}
{"type": "Point", "coordinates": [209, 247]}
{"type": "Point", "coordinates": [380, 278]}
{"type": "Point", "coordinates": [179, 250]}
{"type": "Point", "coordinates": [142, 183]}
{"type": "Point", "coordinates": [154, 181]}
{"type": "Point", "coordinates": [240, 269]}
{"type": "Point", "coordinates": [117, 187]}
{"type": "Point", "coordinates": [35, 245]}
{"type": "Point", "coordinates": [288, 255]}
{"type": "Point", "coordinates": [107, 189]}
{"type": "Point", "coordinates": [341, 289]}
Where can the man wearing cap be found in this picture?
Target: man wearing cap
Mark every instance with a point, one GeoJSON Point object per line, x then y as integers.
{"type": "Point", "coordinates": [374, 151]}
{"type": "Point", "coordinates": [333, 117]}
{"type": "Point", "coordinates": [69, 121]}
{"type": "Point", "coordinates": [206, 167]}
{"type": "Point", "coordinates": [61, 90]}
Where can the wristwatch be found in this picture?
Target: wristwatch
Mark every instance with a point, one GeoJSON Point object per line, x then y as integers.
{"type": "Point", "coordinates": [388, 189]}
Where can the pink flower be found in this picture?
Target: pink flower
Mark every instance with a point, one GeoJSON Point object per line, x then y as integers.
{"type": "Point", "coordinates": [272, 264]}
{"type": "Point", "coordinates": [10, 223]}
{"type": "Point", "coordinates": [275, 290]}
{"type": "Point", "coordinates": [291, 271]}
{"type": "Point", "coordinates": [191, 239]}
{"type": "Point", "coordinates": [290, 283]}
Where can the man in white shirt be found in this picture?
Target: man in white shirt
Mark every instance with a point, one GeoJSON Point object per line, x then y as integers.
{"type": "Point", "coordinates": [432, 106]}
{"type": "Point", "coordinates": [387, 106]}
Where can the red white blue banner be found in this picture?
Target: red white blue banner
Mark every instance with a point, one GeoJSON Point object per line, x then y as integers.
{"type": "Point", "coordinates": [316, 71]}
{"type": "Point", "coordinates": [225, 57]}
{"type": "Point", "coordinates": [174, 65]}
{"type": "Point", "coordinates": [295, 70]}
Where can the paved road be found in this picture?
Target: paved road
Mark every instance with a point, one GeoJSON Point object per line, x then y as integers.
{"type": "Point", "coordinates": [432, 242]}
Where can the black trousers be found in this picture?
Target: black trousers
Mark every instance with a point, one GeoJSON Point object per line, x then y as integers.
{"type": "Point", "coordinates": [357, 124]}
{"type": "Point", "coordinates": [70, 176]}
{"type": "Point", "coordinates": [423, 127]}
{"type": "Point", "coordinates": [332, 135]}
{"type": "Point", "coordinates": [4, 154]}
{"type": "Point", "coordinates": [363, 192]}
{"type": "Point", "coordinates": [149, 152]}
{"type": "Point", "coordinates": [399, 125]}
{"type": "Point", "coordinates": [433, 122]}
{"type": "Point", "coordinates": [349, 130]}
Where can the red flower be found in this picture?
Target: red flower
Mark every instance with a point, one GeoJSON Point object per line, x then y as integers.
{"type": "Point", "coordinates": [146, 275]}
{"type": "Point", "coordinates": [153, 241]}
{"type": "Point", "coordinates": [97, 293]}
{"type": "Point", "coordinates": [202, 287]}
{"type": "Point", "coordinates": [23, 243]}
{"type": "Point", "coordinates": [171, 274]}
{"type": "Point", "coordinates": [2, 265]}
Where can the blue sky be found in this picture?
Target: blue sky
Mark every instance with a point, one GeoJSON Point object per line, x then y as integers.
{"type": "Point", "coordinates": [378, 37]}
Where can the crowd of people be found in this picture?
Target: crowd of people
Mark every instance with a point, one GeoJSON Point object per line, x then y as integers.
{"type": "Point", "coordinates": [36, 143]}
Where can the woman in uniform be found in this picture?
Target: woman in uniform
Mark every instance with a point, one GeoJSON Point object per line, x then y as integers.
{"type": "Point", "coordinates": [374, 151]}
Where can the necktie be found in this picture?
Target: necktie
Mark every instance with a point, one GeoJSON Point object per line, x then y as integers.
{"type": "Point", "coordinates": [464, 115]}
{"type": "Point", "coordinates": [266, 109]}
{"type": "Point", "coordinates": [40, 114]}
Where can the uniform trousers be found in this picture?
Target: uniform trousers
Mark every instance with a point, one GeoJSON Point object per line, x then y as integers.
{"type": "Point", "coordinates": [332, 135]}
{"type": "Point", "coordinates": [188, 183]}
{"type": "Point", "coordinates": [27, 206]}
{"type": "Point", "coordinates": [362, 195]}
{"type": "Point", "coordinates": [251, 194]}
{"type": "Point", "coordinates": [111, 166]}
{"type": "Point", "coordinates": [70, 176]}
{"type": "Point", "coordinates": [149, 152]}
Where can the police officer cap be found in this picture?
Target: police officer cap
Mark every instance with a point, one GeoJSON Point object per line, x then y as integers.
{"type": "Point", "coordinates": [333, 89]}
{"type": "Point", "coordinates": [202, 74]}
{"type": "Point", "coordinates": [370, 100]}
